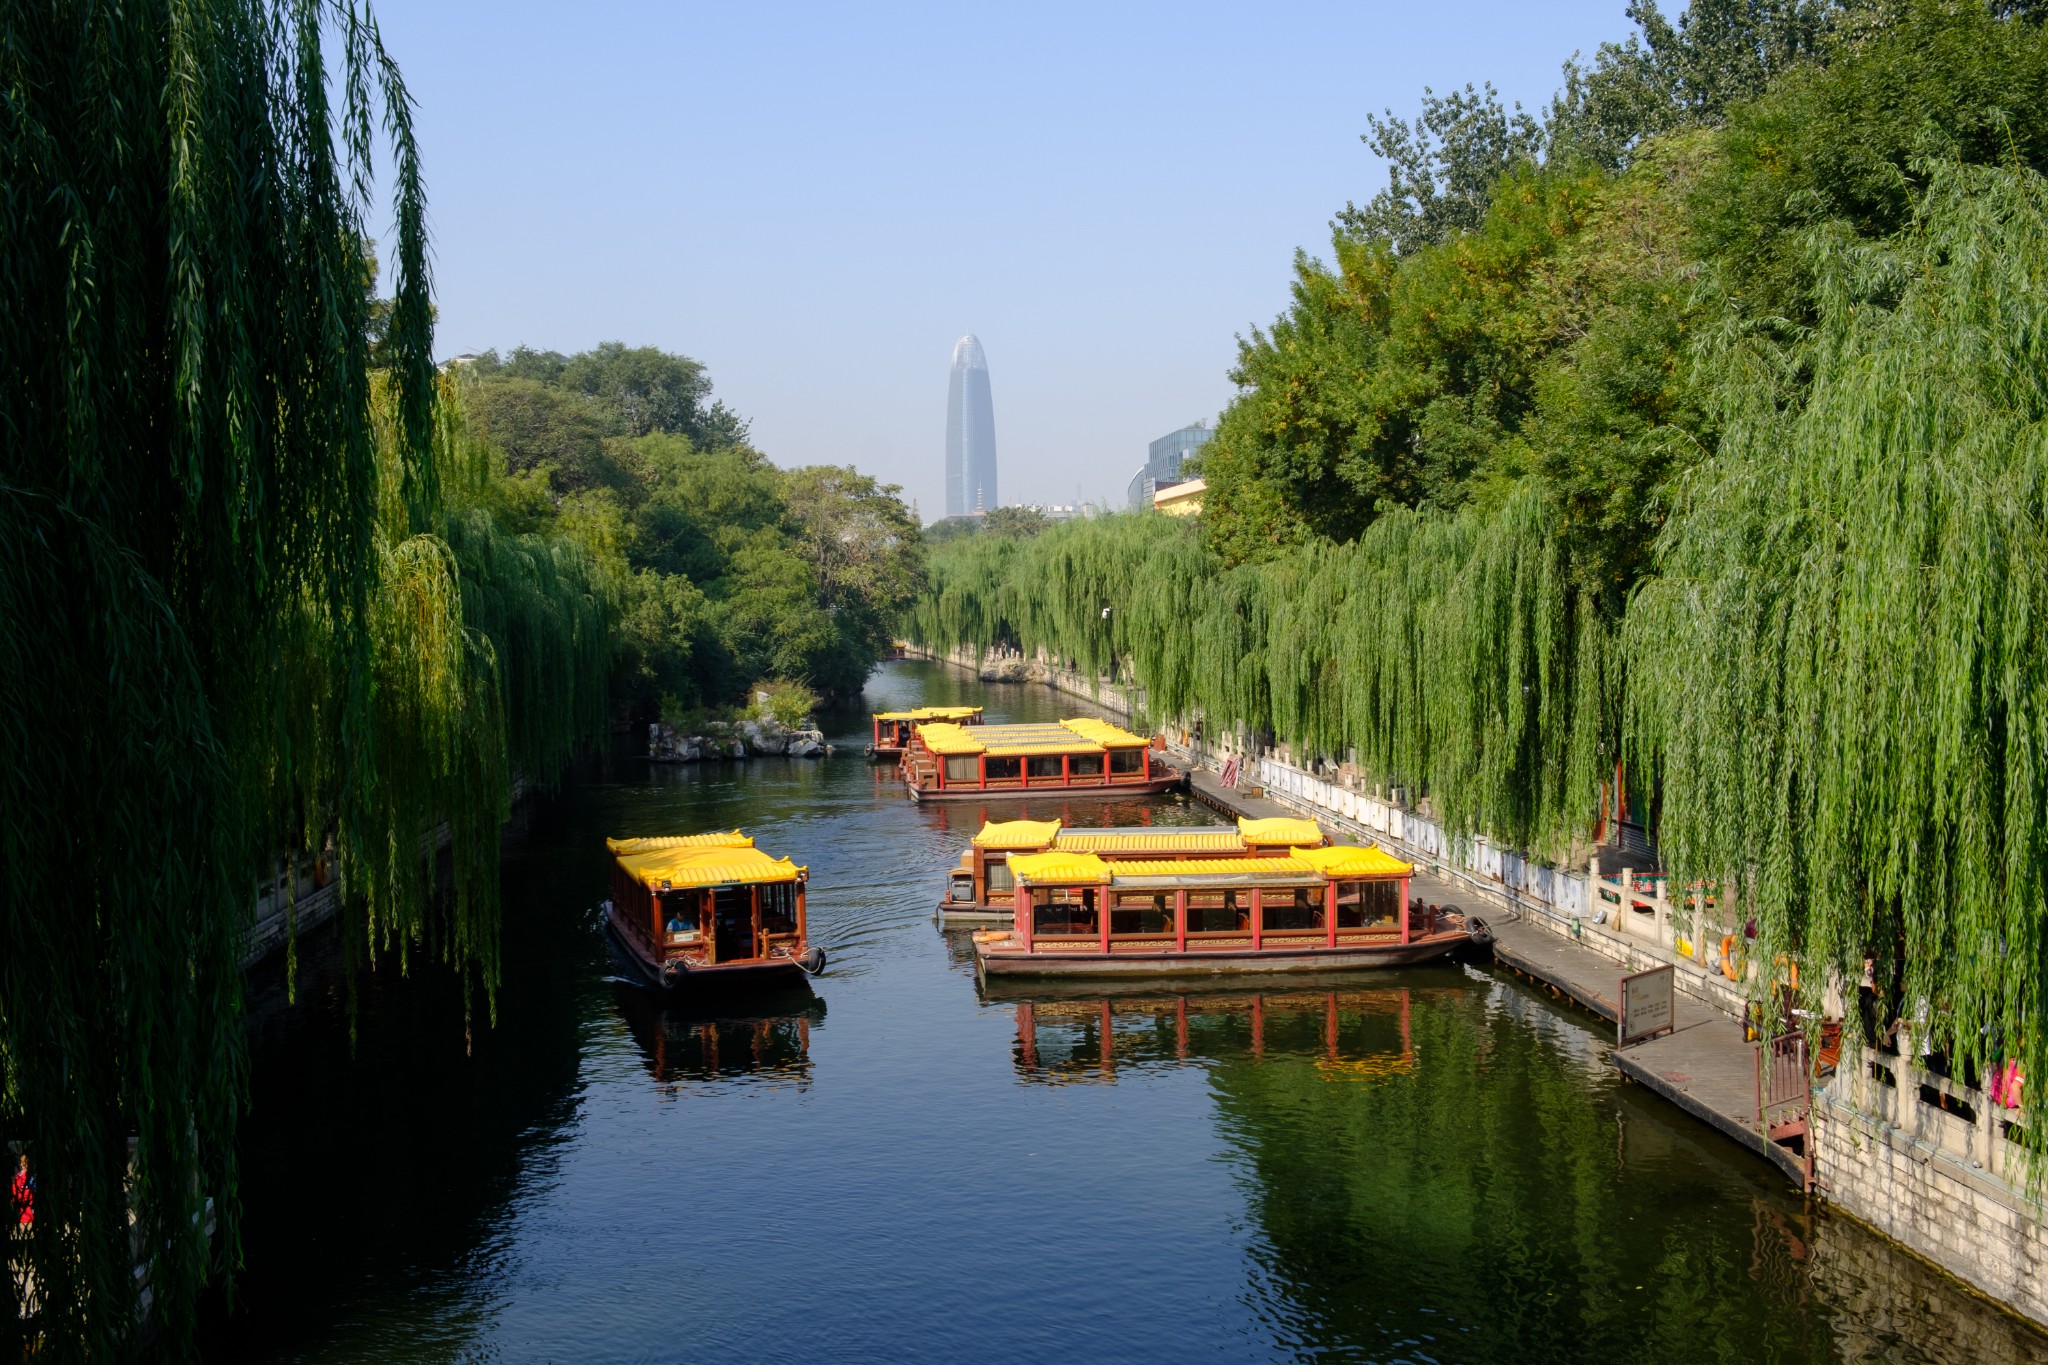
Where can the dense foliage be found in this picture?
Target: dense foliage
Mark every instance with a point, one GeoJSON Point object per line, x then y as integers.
{"type": "Point", "coordinates": [1695, 424]}
{"type": "Point", "coordinates": [728, 570]}
{"type": "Point", "coordinates": [254, 607]}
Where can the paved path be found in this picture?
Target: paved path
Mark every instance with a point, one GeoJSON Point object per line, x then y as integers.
{"type": "Point", "coordinates": [1703, 1066]}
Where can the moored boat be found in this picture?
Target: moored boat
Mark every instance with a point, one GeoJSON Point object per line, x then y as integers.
{"type": "Point", "coordinates": [1336, 908]}
{"type": "Point", "coordinates": [892, 729]}
{"type": "Point", "coordinates": [1082, 757]}
{"type": "Point", "coordinates": [704, 910]}
{"type": "Point", "coordinates": [980, 889]}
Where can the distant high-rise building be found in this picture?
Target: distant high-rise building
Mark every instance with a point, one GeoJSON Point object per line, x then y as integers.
{"type": "Point", "coordinates": [1163, 459]}
{"type": "Point", "coordinates": [970, 434]}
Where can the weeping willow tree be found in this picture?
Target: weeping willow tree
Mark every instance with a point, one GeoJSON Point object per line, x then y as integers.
{"type": "Point", "coordinates": [1839, 678]}
{"type": "Point", "coordinates": [1449, 651]}
{"type": "Point", "coordinates": [242, 607]}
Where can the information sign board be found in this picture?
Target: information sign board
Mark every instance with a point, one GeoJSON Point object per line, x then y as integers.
{"type": "Point", "coordinates": [1647, 1005]}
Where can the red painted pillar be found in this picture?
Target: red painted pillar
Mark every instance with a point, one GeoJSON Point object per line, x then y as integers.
{"type": "Point", "coordinates": [1404, 909]}
{"type": "Point", "coordinates": [1258, 920]}
{"type": "Point", "coordinates": [1066, 770]}
{"type": "Point", "coordinates": [1180, 924]}
{"type": "Point", "coordinates": [1020, 916]}
{"type": "Point", "coordinates": [1102, 917]}
{"type": "Point", "coordinates": [1330, 914]}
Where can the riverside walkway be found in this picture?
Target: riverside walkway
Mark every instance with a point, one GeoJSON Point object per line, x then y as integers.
{"type": "Point", "coordinates": [1704, 1065]}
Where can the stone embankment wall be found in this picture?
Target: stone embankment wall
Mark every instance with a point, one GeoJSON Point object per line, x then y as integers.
{"type": "Point", "coordinates": [302, 898]}
{"type": "Point", "coordinates": [1932, 1164]}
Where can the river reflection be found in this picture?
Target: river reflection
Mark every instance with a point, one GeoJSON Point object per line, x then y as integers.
{"type": "Point", "coordinates": [766, 1037]}
{"type": "Point", "coordinates": [1352, 1034]}
{"type": "Point", "coordinates": [1426, 1164]}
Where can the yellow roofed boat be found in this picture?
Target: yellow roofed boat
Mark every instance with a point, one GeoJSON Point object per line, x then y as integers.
{"type": "Point", "coordinates": [892, 729]}
{"type": "Point", "coordinates": [1318, 908]}
{"type": "Point", "coordinates": [695, 910]}
{"type": "Point", "coordinates": [978, 889]}
{"type": "Point", "coordinates": [946, 761]}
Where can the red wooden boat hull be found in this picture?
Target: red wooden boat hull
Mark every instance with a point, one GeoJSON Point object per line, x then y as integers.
{"type": "Point", "coordinates": [1171, 781]}
{"type": "Point", "coordinates": [1224, 961]}
{"type": "Point", "coordinates": [677, 980]}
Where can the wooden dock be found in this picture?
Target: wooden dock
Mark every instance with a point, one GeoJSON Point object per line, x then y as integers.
{"type": "Point", "coordinates": [1704, 1066]}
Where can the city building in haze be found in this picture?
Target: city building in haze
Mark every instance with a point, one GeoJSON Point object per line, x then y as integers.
{"type": "Point", "coordinates": [970, 434]}
{"type": "Point", "coordinates": [1163, 460]}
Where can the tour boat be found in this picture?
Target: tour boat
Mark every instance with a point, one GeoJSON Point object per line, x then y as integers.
{"type": "Point", "coordinates": [1336, 908]}
{"type": "Point", "coordinates": [980, 888]}
{"type": "Point", "coordinates": [893, 728]}
{"type": "Point", "coordinates": [1083, 757]}
{"type": "Point", "coordinates": [701, 910]}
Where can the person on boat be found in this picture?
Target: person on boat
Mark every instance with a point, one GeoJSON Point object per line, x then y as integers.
{"type": "Point", "coordinates": [675, 923]}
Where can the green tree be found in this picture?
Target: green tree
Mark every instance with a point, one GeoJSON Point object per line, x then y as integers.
{"type": "Point", "coordinates": [1020, 523]}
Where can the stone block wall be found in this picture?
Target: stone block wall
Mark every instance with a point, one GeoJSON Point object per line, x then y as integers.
{"type": "Point", "coordinates": [1938, 1203]}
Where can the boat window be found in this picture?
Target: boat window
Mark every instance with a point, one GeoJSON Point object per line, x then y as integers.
{"type": "Point", "coordinates": [1043, 767]}
{"type": "Point", "coordinates": [962, 769]}
{"type": "Point", "coordinates": [1000, 878]}
{"type": "Point", "coordinates": [1126, 761]}
{"type": "Point", "coordinates": [1004, 769]}
{"type": "Point", "coordinates": [1142, 912]}
{"type": "Point", "coordinates": [1217, 912]}
{"type": "Point", "coordinates": [778, 908]}
{"type": "Point", "coordinates": [1085, 767]}
{"type": "Point", "coordinates": [1366, 905]}
{"type": "Point", "coordinates": [1063, 910]}
{"type": "Point", "coordinates": [1301, 908]}
{"type": "Point", "coordinates": [679, 911]}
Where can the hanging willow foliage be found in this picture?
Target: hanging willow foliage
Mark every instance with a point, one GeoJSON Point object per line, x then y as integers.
{"type": "Point", "coordinates": [1449, 651]}
{"type": "Point", "coordinates": [230, 619]}
{"type": "Point", "coordinates": [1839, 676]}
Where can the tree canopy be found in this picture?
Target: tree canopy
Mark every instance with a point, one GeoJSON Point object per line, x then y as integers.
{"type": "Point", "coordinates": [1691, 425]}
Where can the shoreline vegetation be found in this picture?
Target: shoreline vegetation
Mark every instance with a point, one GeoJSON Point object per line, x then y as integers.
{"type": "Point", "coordinates": [280, 588]}
{"type": "Point", "coordinates": [1692, 430]}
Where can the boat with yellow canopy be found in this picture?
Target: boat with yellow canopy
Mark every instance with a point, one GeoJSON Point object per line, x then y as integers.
{"type": "Point", "coordinates": [696, 910]}
{"type": "Point", "coordinates": [1334, 908]}
{"type": "Point", "coordinates": [1081, 757]}
{"type": "Point", "coordinates": [980, 889]}
{"type": "Point", "coordinates": [892, 729]}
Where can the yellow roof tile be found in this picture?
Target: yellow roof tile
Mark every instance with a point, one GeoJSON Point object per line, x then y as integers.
{"type": "Point", "coordinates": [1017, 834]}
{"type": "Point", "coordinates": [1279, 830]}
{"type": "Point", "coordinates": [730, 839]}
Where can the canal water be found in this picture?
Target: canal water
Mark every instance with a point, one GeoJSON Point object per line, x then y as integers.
{"type": "Point", "coordinates": [1426, 1165]}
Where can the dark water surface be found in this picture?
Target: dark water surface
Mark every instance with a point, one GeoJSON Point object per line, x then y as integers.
{"type": "Point", "coordinates": [1430, 1164]}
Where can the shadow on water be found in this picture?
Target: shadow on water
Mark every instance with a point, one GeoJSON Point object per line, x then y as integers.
{"type": "Point", "coordinates": [1430, 1164]}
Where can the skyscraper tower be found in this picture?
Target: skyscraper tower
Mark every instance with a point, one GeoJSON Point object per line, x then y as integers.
{"type": "Point", "coordinates": [970, 433]}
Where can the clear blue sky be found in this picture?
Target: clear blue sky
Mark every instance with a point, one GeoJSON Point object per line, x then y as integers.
{"type": "Point", "coordinates": [817, 201]}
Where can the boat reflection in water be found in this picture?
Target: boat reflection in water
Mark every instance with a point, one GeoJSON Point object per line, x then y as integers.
{"type": "Point", "coordinates": [765, 1037]}
{"type": "Point", "coordinates": [1348, 1033]}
